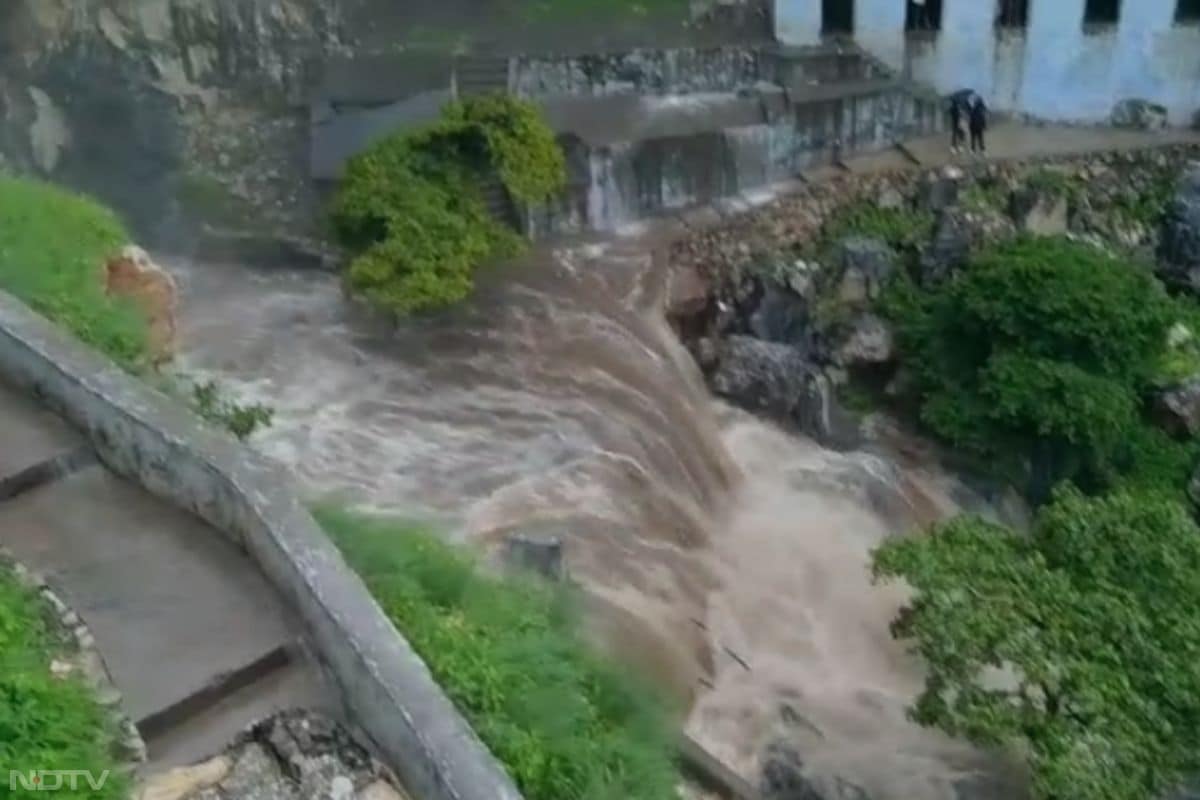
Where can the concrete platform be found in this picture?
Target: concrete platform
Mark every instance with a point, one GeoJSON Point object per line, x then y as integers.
{"type": "Point", "coordinates": [29, 435]}
{"type": "Point", "coordinates": [172, 604]}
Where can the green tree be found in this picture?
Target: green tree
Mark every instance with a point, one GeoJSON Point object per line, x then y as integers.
{"type": "Point", "coordinates": [1077, 646]}
{"type": "Point", "coordinates": [411, 209]}
{"type": "Point", "coordinates": [1037, 353]}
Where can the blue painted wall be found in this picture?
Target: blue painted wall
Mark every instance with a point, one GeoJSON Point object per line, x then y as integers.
{"type": "Point", "coordinates": [1054, 69]}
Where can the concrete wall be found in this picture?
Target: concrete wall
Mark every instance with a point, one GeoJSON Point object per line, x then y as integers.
{"type": "Point", "coordinates": [148, 438]}
{"type": "Point", "coordinates": [1055, 69]}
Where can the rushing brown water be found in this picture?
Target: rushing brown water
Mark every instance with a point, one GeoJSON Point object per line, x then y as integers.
{"type": "Point", "coordinates": [726, 557]}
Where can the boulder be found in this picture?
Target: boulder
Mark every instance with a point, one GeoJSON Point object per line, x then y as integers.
{"type": "Point", "coordinates": [940, 190]}
{"type": "Point", "coordinates": [1179, 238]}
{"type": "Point", "coordinates": [1178, 408]}
{"type": "Point", "coordinates": [1139, 114]}
{"type": "Point", "coordinates": [869, 341]}
{"type": "Point", "coordinates": [781, 316]}
{"type": "Point", "coordinates": [1041, 213]}
{"type": "Point", "coordinates": [784, 778]}
{"type": "Point", "coordinates": [539, 554]}
{"type": "Point", "coordinates": [863, 265]}
{"type": "Point", "coordinates": [152, 289]}
{"type": "Point", "coordinates": [777, 380]}
{"type": "Point", "coordinates": [957, 233]}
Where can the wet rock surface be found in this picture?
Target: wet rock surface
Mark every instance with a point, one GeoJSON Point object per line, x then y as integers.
{"type": "Point", "coordinates": [1179, 247]}
{"type": "Point", "coordinates": [819, 315]}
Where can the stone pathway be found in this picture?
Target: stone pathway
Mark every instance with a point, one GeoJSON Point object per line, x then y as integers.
{"type": "Point", "coordinates": [193, 636]}
{"type": "Point", "coordinates": [1014, 141]}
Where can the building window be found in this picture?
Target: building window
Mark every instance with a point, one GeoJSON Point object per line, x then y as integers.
{"type": "Point", "coordinates": [1102, 12]}
{"type": "Point", "coordinates": [923, 15]}
{"type": "Point", "coordinates": [1012, 14]}
{"type": "Point", "coordinates": [837, 17]}
{"type": "Point", "coordinates": [1187, 11]}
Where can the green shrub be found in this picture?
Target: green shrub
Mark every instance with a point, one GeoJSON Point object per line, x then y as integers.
{"type": "Point", "coordinates": [53, 247]}
{"type": "Point", "coordinates": [903, 229]}
{"type": "Point", "coordinates": [1091, 618]}
{"type": "Point", "coordinates": [1039, 351]}
{"type": "Point", "coordinates": [565, 723]}
{"type": "Point", "coordinates": [411, 211]}
{"type": "Point", "coordinates": [47, 723]}
{"type": "Point", "coordinates": [241, 420]}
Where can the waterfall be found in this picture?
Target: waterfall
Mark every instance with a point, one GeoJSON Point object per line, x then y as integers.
{"type": "Point", "coordinates": [723, 556]}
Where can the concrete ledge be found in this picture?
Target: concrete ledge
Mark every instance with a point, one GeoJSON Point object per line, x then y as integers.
{"type": "Point", "coordinates": [146, 437]}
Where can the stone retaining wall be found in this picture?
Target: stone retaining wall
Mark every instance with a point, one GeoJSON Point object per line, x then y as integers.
{"type": "Point", "coordinates": [144, 436]}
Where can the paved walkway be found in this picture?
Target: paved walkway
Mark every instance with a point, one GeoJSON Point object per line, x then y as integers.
{"type": "Point", "coordinates": [193, 636]}
{"type": "Point", "coordinates": [1013, 141]}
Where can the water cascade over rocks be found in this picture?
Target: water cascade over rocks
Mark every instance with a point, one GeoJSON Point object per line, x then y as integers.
{"type": "Point", "coordinates": [725, 557]}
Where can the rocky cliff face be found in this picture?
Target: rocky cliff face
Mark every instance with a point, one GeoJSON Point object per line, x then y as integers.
{"type": "Point", "coordinates": [161, 106]}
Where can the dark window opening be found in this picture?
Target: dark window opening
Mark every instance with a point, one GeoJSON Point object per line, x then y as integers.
{"type": "Point", "coordinates": [1012, 14]}
{"type": "Point", "coordinates": [1102, 12]}
{"type": "Point", "coordinates": [837, 17]}
{"type": "Point", "coordinates": [1187, 11]}
{"type": "Point", "coordinates": [923, 15]}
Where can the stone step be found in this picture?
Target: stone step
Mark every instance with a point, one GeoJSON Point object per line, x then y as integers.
{"type": "Point", "coordinates": [293, 684]}
{"type": "Point", "coordinates": [172, 603]}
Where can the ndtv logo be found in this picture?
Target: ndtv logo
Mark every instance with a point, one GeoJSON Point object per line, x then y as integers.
{"type": "Point", "coordinates": [53, 780]}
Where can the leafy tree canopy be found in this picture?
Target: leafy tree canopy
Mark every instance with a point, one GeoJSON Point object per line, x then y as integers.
{"type": "Point", "coordinates": [411, 209]}
{"type": "Point", "coordinates": [1039, 350]}
{"type": "Point", "coordinates": [1077, 646]}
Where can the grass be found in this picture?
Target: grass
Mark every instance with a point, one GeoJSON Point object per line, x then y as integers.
{"type": "Point", "coordinates": [565, 723]}
{"type": "Point", "coordinates": [47, 723]}
{"type": "Point", "coordinates": [53, 246]}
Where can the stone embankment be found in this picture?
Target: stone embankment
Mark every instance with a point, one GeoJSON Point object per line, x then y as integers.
{"type": "Point", "coordinates": [780, 316]}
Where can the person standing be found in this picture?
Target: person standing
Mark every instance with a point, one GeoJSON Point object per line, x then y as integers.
{"type": "Point", "coordinates": [960, 110]}
{"type": "Point", "coordinates": [978, 120]}
{"type": "Point", "coordinates": [956, 125]}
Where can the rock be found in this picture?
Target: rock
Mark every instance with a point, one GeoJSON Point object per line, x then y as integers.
{"type": "Point", "coordinates": [958, 232]}
{"type": "Point", "coordinates": [184, 782]}
{"type": "Point", "coordinates": [870, 342]}
{"type": "Point", "coordinates": [784, 778]}
{"type": "Point", "coordinates": [783, 775]}
{"type": "Point", "coordinates": [949, 250]}
{"type": "Point", "coordinates": [777, 380]}
{"type": "Point", "coordinates": [133, 275]}
{"type": "Point", "coordinates": [1178, 408]}
{"type": "Point", "coordinates": [781, 317]}
{"type": "Point", "coordinates": [381, 790]}
{"type": "Point", "coordinates": [1139, 114]}
{"type": "Point", "coordinates": [940, 191]}
{"type": "Point", "coordinates": [542, 555]}
{"type": "Point", "coordinates": [1179, 239]}
{"type": "Point", "coordinates": [890, 198]}
{"type": "Point", "coordinates": [863, 265]}
{"type": "Point", "coordinates": [1196, 121]}
{"type": "Point", "coordinates": [1039, 213]}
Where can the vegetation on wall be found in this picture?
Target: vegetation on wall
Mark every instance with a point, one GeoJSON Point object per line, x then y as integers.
{"type": "Point", "coordinates": [411, 209]}
{"type": "Point", "coordinates": [47, 722]}
{"type": "Point", "coordinates": [565, 723]}
{"type": "Point", "coordinates": [1038, 353]}
{"type": "Point", "coordinates": [1074, 646]}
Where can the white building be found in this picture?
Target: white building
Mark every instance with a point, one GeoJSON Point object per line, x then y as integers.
{"type": "Point", "coordinates": [1056, 59]}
